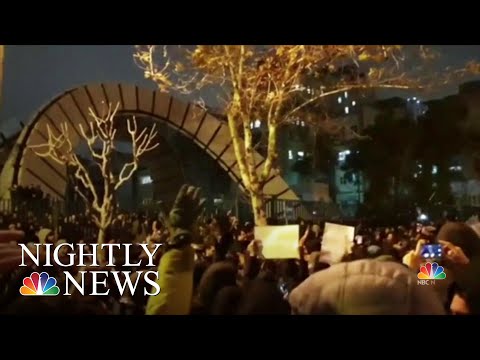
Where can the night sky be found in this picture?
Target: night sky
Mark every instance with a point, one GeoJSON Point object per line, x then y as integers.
{"type": "Point", "coordinates": [34, 74]}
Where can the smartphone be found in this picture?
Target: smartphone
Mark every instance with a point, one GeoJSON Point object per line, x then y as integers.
{"type": "Point", "coordinates": [432, 252]}
{"type": "Point", "coordinates": [283, 288]}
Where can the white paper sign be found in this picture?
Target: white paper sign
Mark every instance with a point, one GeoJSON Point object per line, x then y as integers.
{"type": "Point", "coordinates": [279, 242]}
{"type": "Point", "coordinates": [337, 241]}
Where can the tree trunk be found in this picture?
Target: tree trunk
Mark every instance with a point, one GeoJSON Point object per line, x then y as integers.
{"type": "Point", "coordinates": [101, 240]}
{"type": "Point", "coordinates": [258, 206]}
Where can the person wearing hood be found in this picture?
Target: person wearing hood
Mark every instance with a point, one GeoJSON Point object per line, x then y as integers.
{"type": "Point", "coordinates": [364, 287]}
{"type": "Point", "coordinates": [176, 266]}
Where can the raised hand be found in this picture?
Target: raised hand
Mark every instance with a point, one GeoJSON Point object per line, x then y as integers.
{"type": "Point", "coordinates": [186, 209]}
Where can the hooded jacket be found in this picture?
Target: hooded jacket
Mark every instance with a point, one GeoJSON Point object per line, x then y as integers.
{"type": "Point", "coordinates": [175, 273]}
{"type": "Point", "coordinates": [365, 287]}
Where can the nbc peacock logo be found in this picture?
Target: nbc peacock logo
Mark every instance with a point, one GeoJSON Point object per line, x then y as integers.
{"type": "Point", "coordinates": [39, 285]}
{"type": "Point", "coordinates": [429, 273]}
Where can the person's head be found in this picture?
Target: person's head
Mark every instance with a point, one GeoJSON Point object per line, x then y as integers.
{"type": "Point", "coordinates": [12, 227]}
{"type": "Point", "coordinates": [220, 225]}
{"type": "Point", "coordinates": [64, 249]}
{"type": "Point", "coordinates": [50, 238]}
{"type": "Point", "coordinates": [288, 269]}
{"type": "Point", "coordinates": [235, 222]}
{"type": "Point", "coordinates": [461, 235]}
{"type": "Point", "coordinates": [227, 301]}
{"type": "Point", "coordinates": [466, 299]}
{"type": "Point", "coordinates": [268, 270]}
{"type": "Point", "coordinates": [263, 297]}
{"type": "Point", "coordinates": [390, 237]}
{"type": "Point", "coordinates": [216, 277]}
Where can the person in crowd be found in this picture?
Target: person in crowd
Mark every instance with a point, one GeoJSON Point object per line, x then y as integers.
{"type": "Point", "coordinates": [216, 277]}
{"type": "Point", "coordinates": [177, 263]}
{"type": "Point", "coordinates": [364, 287]}
{"type": "Point", "coordinates": [212, 265]}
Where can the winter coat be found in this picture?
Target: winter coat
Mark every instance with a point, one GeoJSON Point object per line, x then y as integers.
{"type": "Point", "coordinates": [365, 287]}
{"type": "Point", "coordinates": [175, 277]}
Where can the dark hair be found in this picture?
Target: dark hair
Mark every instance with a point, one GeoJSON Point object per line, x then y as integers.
{"type": "Point", "coordinates": [227, 301]}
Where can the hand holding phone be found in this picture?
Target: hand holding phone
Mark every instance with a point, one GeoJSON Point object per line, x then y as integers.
{"type": "Point", "coordinates": [454, 253]}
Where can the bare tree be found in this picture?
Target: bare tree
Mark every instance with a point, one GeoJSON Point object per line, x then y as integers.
{"type": "Point", "coordinates": [267, 83]}
{"type": "Point", "coordinates": [100, 138]}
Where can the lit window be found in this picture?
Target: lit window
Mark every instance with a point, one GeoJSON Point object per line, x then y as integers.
{"type": "Point", "coordinates": [300, 154]}
{"type": "Point", "coordinates": [339, 99]}
{"type": "Point", "coordinates": [434, 169]}
{"type": "Point", "coordinates": [346, 95]}
{"type": "Point", "coordinates": [354, 103]}
{"type": "Point", "coordinates": [343, 154]}
{"type": "Point", "coordinates": [144, 180]}
{"type": "Point", "coordinates": [455, 168]}
{"type": "Point", "coordinates": [347, 110]}
{"type": "Point", "coordinates": [257, 124]}
{"type": "Point", "coordinates": [290, 155]}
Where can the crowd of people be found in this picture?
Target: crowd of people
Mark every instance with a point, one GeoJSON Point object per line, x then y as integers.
{"type": "Point", "coordinates": [214, 265]}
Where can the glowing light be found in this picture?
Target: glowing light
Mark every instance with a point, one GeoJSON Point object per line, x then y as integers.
{"type": "Point", "coordinates": [347, 110]}
{"type": "Point", "coordinates": [423, 217]}
{"type": "Point", "coordinates": [339, 99]}
{"type": "Point", "coordinates": [144, 180]}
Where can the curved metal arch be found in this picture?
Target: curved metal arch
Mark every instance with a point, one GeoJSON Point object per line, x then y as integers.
{"type": "Point", "coordinates": [207, 131]}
